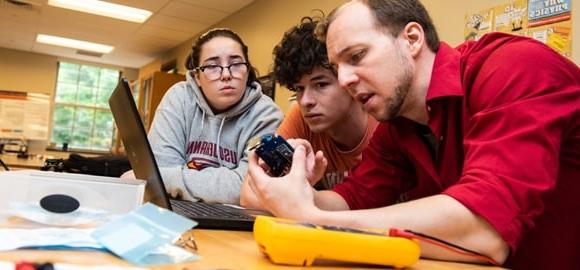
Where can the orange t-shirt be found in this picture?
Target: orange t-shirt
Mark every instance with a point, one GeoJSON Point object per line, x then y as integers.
{"type": "Point", "coordinates": [339, 161]}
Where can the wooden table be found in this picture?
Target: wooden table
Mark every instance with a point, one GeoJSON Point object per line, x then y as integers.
{"type": "Point", "coordinates": [16, 163]}
{"type": "Point", "coordinates": [219, 250]}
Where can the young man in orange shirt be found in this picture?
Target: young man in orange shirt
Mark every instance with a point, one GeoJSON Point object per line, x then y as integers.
{"type": "Point", "coordinates": [325, 115]}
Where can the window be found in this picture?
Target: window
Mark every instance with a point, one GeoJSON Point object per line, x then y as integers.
{"type": "Point", "coordinates": [82, 117]}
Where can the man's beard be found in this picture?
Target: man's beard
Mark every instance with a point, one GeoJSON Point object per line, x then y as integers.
{"type": "Point", "coordinates": [404, 84]}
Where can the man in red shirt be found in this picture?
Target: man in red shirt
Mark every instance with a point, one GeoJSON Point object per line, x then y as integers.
{"type": "Point", "coordinates": [478, 145]}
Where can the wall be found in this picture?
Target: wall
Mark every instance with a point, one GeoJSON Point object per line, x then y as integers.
{"type": "Point", "coordinates": [36, 73]}
{"type": "Point", "coordinates": [150, 68]}
{"type": "Point", "coordinates": [27, 72]}
{"type": "Point", "coordinates": [262, 24]}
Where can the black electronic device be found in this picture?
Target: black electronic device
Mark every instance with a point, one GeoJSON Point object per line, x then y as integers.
{"type": "Point", "coordinates": [274, 151]}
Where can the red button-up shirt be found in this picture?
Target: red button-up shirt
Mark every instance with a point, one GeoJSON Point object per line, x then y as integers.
{"type": "Point", "coordinates": [505, 112]}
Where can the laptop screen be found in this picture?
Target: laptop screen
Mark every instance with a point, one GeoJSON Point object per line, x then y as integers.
{"type": "Point", "coordinates": [136, 144]}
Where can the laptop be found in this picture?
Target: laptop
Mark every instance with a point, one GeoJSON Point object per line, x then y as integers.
{"type": "Point", "coordinates": [140, 155]}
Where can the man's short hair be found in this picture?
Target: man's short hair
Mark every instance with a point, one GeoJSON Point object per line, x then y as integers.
{"type": "Point", "coordinates": [393, 16]}
{"type": "Point", "coordinates": [298, 53]}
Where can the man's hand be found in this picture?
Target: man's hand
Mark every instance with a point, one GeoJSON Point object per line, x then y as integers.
{"type": "Point", "coordinates": [128, 175]}
{"type": "Point", "coordinates": [290, 196]}
{"type": "Point", "coordinates": [315, 162]}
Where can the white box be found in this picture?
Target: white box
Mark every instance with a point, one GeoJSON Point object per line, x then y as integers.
{"type": "Point", "coordinates": [115, 195]}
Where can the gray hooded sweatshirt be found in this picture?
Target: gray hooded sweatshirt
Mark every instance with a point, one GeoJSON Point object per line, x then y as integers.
{"type": "Point", "coordinates": [201, 155]}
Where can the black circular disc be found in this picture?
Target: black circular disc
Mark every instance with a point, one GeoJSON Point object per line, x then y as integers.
{"type": "Point", "coordinates": [59, 203]}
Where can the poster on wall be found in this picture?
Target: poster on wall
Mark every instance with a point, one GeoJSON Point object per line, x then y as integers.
{"type": "Point", "coordinates": [24, 115]}
{"type": "Point", "coordinates": [547, 21]}
{"type": "Point", "coordinates": [511, 18]}
{"type": "Point", "coordinates": [548, 11]}
{"type": "Point", "coordinates": [478, 24]}
{"type": "Point", "coordinates": [556, 35]}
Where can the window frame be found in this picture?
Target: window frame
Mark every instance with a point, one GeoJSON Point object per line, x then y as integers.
{"type": "Point", "coordinates": [75, 106]}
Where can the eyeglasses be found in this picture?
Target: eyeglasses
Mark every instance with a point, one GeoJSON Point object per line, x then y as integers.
{"type": "Point", "coordinates": [214, 72]}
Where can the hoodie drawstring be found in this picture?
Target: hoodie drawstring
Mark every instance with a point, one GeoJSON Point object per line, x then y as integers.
{"type": "Point", "coordinates": [202, 119]}
{"type": "Point", "coordinates": [218, 142]}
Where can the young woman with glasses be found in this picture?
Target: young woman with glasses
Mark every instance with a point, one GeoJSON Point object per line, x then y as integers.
{"type": "Point", "coordinates": [202, 125]}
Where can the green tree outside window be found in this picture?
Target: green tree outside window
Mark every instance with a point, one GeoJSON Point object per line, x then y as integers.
{"type": "Point", "coordinates": [82, 117]}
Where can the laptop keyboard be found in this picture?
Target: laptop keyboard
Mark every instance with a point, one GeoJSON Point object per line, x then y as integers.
{"type": "Point", "coordinates": [202, 210]}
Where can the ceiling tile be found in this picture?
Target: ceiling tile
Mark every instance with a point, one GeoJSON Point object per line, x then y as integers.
{"type": "Point", "coordinates": [16, 44]}
{"type": "Point", "coordinates": [173, 22]}
{"type": "Point", "coordinates": [128, 59]}
{"type": "Point", "coordinates": [193, 13]}
{"type": "Point", "coordinates": [151, 5]}
{"type": "Point", "coordinates": [165, 33]}
{"type": "Point", "coordinates": [11, 28]}
{"type": "Point", "coordinates": [191, 27]}
{"type": "Point", "coordinates": [147, 46]}
{"type": "Point", "coordinates": [228, 6]}
{"type": "Point", "coordinates": [74, 18]}
{"type": "Point", "coordinates": [19, 15]}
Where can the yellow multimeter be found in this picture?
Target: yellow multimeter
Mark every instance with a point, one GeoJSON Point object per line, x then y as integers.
{"type": "Point", "coordinates": [293, 243]}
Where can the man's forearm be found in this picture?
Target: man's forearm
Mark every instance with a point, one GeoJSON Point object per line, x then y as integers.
{"type": "Point", "coordinates": [329, 200]}
{"type": "Point", "coordinates": [440, 216]}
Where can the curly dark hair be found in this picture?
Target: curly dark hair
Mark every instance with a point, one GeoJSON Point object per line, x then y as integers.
{"type": "Point", "coordinates": [298, 53]}
{"type": "Point", "coordinates": [193, 58]}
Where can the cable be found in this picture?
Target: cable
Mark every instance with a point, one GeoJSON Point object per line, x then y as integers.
{"type": "Point", "coordinates": [4, 165]}
{"type": "Point", "coordinates": [442, 244]}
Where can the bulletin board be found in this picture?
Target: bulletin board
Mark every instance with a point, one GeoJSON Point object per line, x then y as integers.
{"type": "Point", "coordinates": [268, 84]}
{"type": "Point", "coordinates": [548, 21]}
{"type": "Point", "coordinates": [24, 115]}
